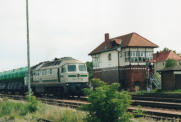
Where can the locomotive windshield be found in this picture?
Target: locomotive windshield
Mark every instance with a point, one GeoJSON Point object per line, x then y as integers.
{"type": "Point", "coordinates": [72, 68]}
{"type": "Point", "coordinates": [82, 67]}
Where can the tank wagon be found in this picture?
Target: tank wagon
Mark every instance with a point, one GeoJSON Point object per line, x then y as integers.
{"type": "Point", "coordinates": [61, 77]}
{"type": "Point", "coordinates": [13, 80]}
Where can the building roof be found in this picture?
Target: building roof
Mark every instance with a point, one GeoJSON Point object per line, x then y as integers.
{"type": "Point", "coordinates": [128, 40]}
{"type": "Point", "coordinates": [164, 56]}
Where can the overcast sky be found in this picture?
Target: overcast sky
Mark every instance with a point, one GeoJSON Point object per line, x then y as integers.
{"type": "Point", "coordinates": [60, 28]}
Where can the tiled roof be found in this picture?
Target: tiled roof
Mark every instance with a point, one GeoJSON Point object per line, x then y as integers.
{"type": "Point", "coordinates": [128, 40]}
{"type": "Point", "coordinates": [163, 56]}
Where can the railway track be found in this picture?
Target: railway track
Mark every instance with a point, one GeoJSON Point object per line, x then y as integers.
{"type": "Point", "coordinates": [152, 106]}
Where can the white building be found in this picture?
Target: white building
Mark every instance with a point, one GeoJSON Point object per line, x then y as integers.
{"type": "Point", "coordinates": [122, 59]}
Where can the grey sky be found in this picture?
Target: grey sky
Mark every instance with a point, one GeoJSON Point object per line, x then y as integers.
{"type": "Point", "coordinates": [61, 28]}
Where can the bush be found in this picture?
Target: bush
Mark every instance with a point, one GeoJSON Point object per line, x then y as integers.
{"type": "Point", "coordinates": [107, 103]}
{"type": "Point", "coordinates": [171, 63]}
{"type": "Point", "coordinates": [139, 112]}
{"type": "Point", "coordinates": [33, 103]}
{"type": "Point", "coordinates": [90, 69]}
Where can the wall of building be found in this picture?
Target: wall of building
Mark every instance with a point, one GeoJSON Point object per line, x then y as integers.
{"type": "Point", "coordinates": [159, 65]}
{"type": "Point", "coordinates": [177, 80]}
{"type": "Point", "coordinates": [131, 75]}
{"type": "Point", "coordinates": [168, 80]}
{"type": "Point", "coordinates": [109, 75]}
{"type": "Point", "coordinates": [102, 60]}
{"type": "Point", "coordinates": [135, 76]}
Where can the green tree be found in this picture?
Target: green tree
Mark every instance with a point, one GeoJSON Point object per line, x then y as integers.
{"type": "Point", "coordinates": [170, 63]}
{"type": "Point", "coordinates": [107, 103]}
{"type": "Point", "coordinates": [90, 69]}
{"type": "Point", "coordinates": [165, 49]}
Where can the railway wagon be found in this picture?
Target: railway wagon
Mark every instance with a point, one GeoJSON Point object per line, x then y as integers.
{"type": "Point", "coordinates": [61, 77]}
{"type": "Point", "coordinates": [13, 80]}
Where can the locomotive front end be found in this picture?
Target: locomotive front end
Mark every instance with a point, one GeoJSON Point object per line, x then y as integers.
{"type": "Point", "coordinates": [75, 78]}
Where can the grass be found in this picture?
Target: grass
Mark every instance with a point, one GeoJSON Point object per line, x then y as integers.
{"type": "Point", "coordinates": [142, 92]}
{"type": "Point", "coordinates": [10, 108]}
{"type": "Point", "coordinates": [61, 114]}
{"type": "Point", "coordinates": [151, 120]}
{"type": "Point", "coordinates": [176, 91]}
{"type": "Point", "coordinates": [32, 110]}
{"type": "Point", "coordinates": [54, 114]}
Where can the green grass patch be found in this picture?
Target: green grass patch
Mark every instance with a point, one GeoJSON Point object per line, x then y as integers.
{"type": "Point", "coordinates": [10, 109]}
{"type": "Point", "coordinates": [176, 91]}
{"type": "Point", "coordinates": [32, 110]}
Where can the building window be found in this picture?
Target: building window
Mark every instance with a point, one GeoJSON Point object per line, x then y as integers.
{"type": "Point", "coordinates": [126, 59]}
{"type": "Point", "coordinates": [138, 56]}
{"type": "Point", "coordinates": [96, 61]}
{"type": "Point", "coordinates": [109, 56]}
{"type": "Point", "coordinates": [120, 54]}
{"type": "Point", "coordinates": [50, 71]}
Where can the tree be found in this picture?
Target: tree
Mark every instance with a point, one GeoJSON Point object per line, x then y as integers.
{"type": "Point", "coordinates": [107, 103]}
{"type": "Point", "coordinates": [165, 49]}
{"type": "Point", "coordinates": [170, 63]}
{"type": "Point", "coordinates": [90, 69]}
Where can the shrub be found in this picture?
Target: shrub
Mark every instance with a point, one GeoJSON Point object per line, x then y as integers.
{"type": "Point", "coordinates": [33, 103]}
{"type": "Point", "coordinates": [170, 63]}
{"type": "Point", "coordinates": [139, 112]}
{"type": "Point", "coordinates": [90, 69]}
{"type": "Point", "coordinates": [107, 103]}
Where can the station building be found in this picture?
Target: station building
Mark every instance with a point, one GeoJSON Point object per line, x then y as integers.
{"type": "Point", "coordinates": [171, 77]}
{"type": "Point", "coordinates": [123, 59]}
{"type": "Point", "coordinates": [162, 57]}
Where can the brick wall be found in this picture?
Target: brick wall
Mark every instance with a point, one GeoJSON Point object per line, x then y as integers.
{"type": "Point", "coordinates": [129, 76]}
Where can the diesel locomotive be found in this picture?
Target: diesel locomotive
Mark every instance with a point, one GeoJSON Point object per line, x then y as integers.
{"type": "Point", "coordinates": [61, 77]}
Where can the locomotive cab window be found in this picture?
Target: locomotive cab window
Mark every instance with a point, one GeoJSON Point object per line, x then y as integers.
{"type": "Point", "coordinates": [82, 67]}
{"type": "Point", "coordinates": [72, 68]}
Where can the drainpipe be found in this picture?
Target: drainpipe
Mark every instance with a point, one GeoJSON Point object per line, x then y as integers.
{"type": "Point", "coordinates": [119, 50]}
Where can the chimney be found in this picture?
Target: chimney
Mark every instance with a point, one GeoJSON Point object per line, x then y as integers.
{"type": "Point", "coordinates": [106, 37]}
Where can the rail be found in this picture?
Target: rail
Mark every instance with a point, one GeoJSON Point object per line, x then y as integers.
{"type": "Point", "coordinates": [155, 113]}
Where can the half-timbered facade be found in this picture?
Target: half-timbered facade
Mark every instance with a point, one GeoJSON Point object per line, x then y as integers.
{"type": "Point", "coordinates": [123, 59]}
